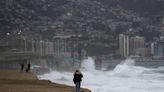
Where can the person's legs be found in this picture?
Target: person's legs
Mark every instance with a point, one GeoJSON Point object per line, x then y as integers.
{"type": "Point", "coordinates": [77, 87]}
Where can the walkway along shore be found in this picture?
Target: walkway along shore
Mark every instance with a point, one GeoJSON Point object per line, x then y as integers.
{"type": "Point", "coordinates": [15, 81]}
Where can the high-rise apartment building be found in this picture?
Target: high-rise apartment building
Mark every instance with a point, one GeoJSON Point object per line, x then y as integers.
{"type": "Point", "coordinates": [137, 45]}
{"type": "Point", "coordinates": [157, 49]}
{"type": "Point", "coordinates": [131, 45]}
{"type": "Point", "coordinates": [124, 45]}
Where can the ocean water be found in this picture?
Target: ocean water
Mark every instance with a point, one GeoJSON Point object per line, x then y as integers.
{"type": "Point", "coordinates": [125, 77]}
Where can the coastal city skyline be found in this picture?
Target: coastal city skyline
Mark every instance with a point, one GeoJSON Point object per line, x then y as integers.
{"type": "Point", "coordinates": [81, 45]}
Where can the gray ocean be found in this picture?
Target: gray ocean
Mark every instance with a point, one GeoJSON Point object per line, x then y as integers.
{"type": "Point", "coordinates": [122, 76]}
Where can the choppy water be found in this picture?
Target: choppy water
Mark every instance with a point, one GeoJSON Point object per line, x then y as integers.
{"type": "Point", "coordinates": [125, 77]}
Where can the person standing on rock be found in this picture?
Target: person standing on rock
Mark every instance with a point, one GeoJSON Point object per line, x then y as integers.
{"type": "Point", "coordinates": [77, 80]}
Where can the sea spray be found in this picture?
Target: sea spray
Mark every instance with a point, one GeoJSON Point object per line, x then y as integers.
{"type": "Point", "coordinates": [88, 65]}
{"type": "Point", "coordinates": [126, 77]}
{"type": "Point", "coordinates": [127, 68]}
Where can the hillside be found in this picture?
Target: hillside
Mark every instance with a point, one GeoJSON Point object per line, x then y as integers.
{"type": "Point", "coordinates": [98, 20]}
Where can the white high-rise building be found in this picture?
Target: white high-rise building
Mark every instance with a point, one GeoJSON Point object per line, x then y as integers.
{"type": "Point", "coordinates": [124, 45]}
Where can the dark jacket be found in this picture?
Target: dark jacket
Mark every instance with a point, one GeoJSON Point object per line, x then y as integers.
{"type": "Point", "coordinates": [77, 78]}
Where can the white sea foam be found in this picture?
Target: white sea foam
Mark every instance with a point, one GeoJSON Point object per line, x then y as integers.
{"type": "Point", "coordinates": [126, 77]}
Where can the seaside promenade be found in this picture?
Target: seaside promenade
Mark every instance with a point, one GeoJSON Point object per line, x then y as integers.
{"type": "Point", "coordinates": [16, 81]}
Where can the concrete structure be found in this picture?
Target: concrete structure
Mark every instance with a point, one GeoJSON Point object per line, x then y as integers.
{"type": "Point", "coordinates": [124, 45]}
{"type": "Point", "coordinates": [132, 45]}
{"type": "Point", "coordinates": [19, 50]}
{"type": "Point", "coordinates": [68, 49]}
{"type": "Point", "coordinates": [62, 45]}
{"type": "Point", "coordinates": [137, 46]}
{"type": "Point", "coordinates": [157, 49]}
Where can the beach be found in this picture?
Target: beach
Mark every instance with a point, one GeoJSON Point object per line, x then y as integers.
{"type": "Point", "coordinates": [16, 81]}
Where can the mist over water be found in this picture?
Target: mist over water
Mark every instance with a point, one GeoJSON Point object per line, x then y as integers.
{"type": "Point", "coordinates": [125, 77]}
